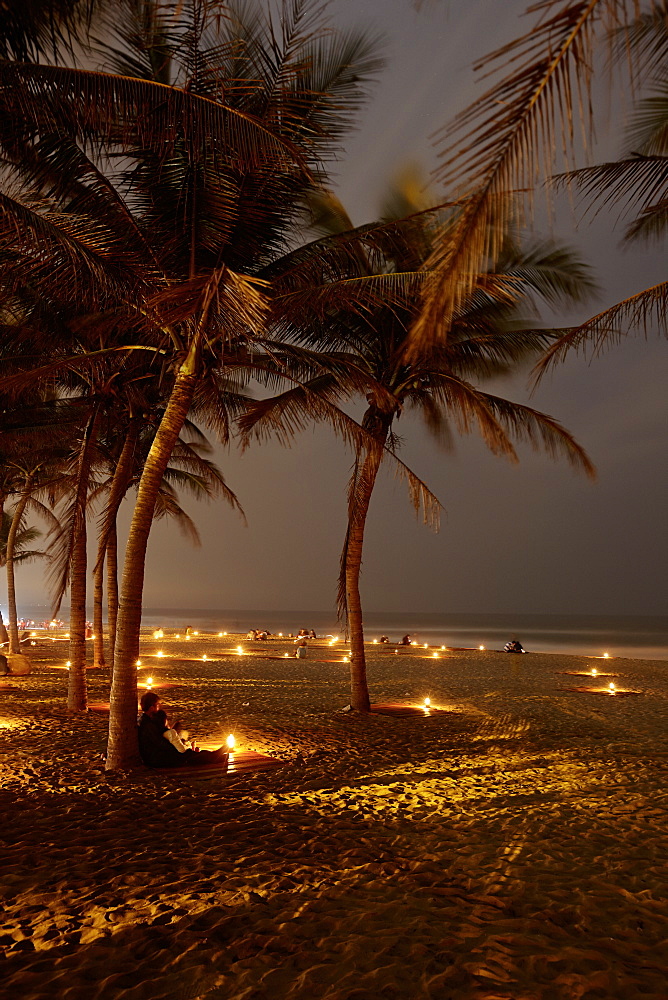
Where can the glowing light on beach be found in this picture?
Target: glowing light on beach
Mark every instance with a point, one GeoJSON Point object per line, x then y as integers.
{"type": "Point", "coordinates": [594, 671]}
{"type": "Point", "coordinates": [160, 653]}
{"type": "Point", "coordinates": [396, 652]}
{"type": "Point", "coordinates": [280, 635]}
{"type": "Point", "coordinates": [178, 635]}
{"type": "Point", "coordinates": [92, 637]}
{"type": "Point", "coordinates": [481, 648]}
{"type": "Point", "coordinates": [426, 645]}
{"type": "Point", "coordinates": [33, 633]}
{"type": "Point", "coordinates": [442, 647]}
{"type": "Point", "coordinates": [204, 657]}
{"type": "Point", "coordinates": [67, 635]}
{"type": "Point", "coordinates": [285, 655]}
{"type": "Point", "coordinates": [240, 650]}
{"type": "Point", "coordinates": [230, 742]}
{"type": "Point", "coordinates": [68, 663]}
{"type": "Point", "coordinates": [149, 682]}
{"type": "Point", "coordinates": [611, 687]}
{"type": "Point", "coordinates": [606, 656]}
{"type": "Point", "coordinates": [219, 634]}
{"type": "Point", "coordinates": [139, 663]}
{"type": "Point", "coordinates": [224, 633]}
{"type": "Point", "coordinates": [346, 659]}
{"type": "Point", "coordinates": [188, 638]}
{"type": "Point", "coordinates": [196, 633]}
{"type": "Point", "coordinates": [427, 702]}
{"type": "Point", "coordinates": [434, 656]}
{"type": "Point", "coordinates": [375, 642]}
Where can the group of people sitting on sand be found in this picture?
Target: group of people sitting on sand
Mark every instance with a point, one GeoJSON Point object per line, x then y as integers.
{"type": "Point", "coordinates": [162, 745]}
{"type": "Point", "coordinates": [257, 633]}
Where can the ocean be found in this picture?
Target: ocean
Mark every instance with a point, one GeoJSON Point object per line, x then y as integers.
{"type": "Point", "coordinates": [639, 636]}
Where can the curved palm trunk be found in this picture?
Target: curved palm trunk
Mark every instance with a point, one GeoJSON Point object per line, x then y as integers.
{"type": "Point", "coordinates": [4, 638]}
{"type": "Point", "coordinates": [352, 566]}
{"type": "Point", "coordinates": [14, 645]}
{"type": "Point", "coordinates": [112, 592]}
{"type": "Point", "coordinates": [98, 625]}
{"type": "Point", "coordinates": [119, 485]}
{"type": "Point", "coordinates": [122, 748]}
{"type": "Point", "coordinates": [77, 695]}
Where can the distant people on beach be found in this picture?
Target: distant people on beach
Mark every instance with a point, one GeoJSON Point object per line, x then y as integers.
{"type": "Point", "coordinates": [514, 646]}
{"type": "Point", "coordinates": [405, 640]}
{"type": "Point", "coordinates": [159, 633]}
{"type": "Point", "coordinates": [159, 751]}
{"type": "Point", "coordinates": [300, 647]}
{"type": "Point", "coordinates": [251, 633]}
{"type": "Point", "coordinates": [312, 634]}
{"type": "Point", "coordinates": [383, 638]}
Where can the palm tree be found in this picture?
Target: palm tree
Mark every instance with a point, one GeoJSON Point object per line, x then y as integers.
{"type": "Point", "coordinates": [14, 550]}
{"type": "Point", "coordinates": [216, 123]}
{"type": "Point", "coordinates": [487, 339]}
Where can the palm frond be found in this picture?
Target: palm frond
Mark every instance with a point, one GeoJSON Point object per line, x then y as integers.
{"type": "Point", "coordinates": [634, 314]}
{"type": "Point", "coordinates": [507, 139]}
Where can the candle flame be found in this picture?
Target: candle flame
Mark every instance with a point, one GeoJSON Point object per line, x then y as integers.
{"type": "Point", "coordinates": [160, 653]}
{"type": "Point", "coordinates": [149, 682]}
{"type": "Point", "coordinates": [594, 671]}
{"type": "Point", "coordinates": [606, 656]}
{"type": "Point", "coordinates": [139, 663]}
{"type": "Point", "coordinates": [434, 656]}
{"type": "Point", "coordinates": [427, 702]}
{"type": "Point", "coordinates": [230, 742]}
{"type": "Point", "coordinates": [240, 650]}
{"type": "Point", "coordinates": [204, 657]}
{"type": "Point", "coordinates": [611, 687]}
{"type": "Point", "coordinates": [68, 663]}
{"type": "Point", "coordinates": [481, 647]}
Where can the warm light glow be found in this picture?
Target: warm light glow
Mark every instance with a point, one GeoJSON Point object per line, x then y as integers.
{"type": "Point", "coordinates": [196, 632]}
{"type": "Point", "coordinates": [414, 644]}
{"type": "Point", "coordinates": [149, 682]}
{"type": "Point", "coordinates": [33, 633]}
{"type": "Point", "coordinates": [67, 635]}
{"type": "Point", "coordinates": [92, 637]}
{"type": "Point", "coordinates": [160, 653]}
{"type": "Point", "coordinates": [346, 659]}
{"type": "Point", "coordinates": [426, 645]}
{"type": "Point", "coordinates": [606, 656]}
{"type": "Point", "coordinates": [204, 657]}
{"type": "Point", "coordinates": [285, 654]}
{"type": "Point", "coordinates": [68, 663]}
{"type": "Point", "coordinates": [280, 635]}
{"type": "Point", "coordinates": [220, 633]}
{"type": "Point", "coordinates": [396, 652]}
{"type": "Point", "coordinates": [594, 671]}
{"type": "Point", "coordinates": [434, 656]}
{"type": "Point", "coordinates": [239, 650]}
{"type": "Point", "coordinates": [442, 647]}
{"type": "Point", "coordinates": [188, 637]}
{"type": "Point", "coordinates": [427, 702]}
{"type": "Point", "coordinates": [178, 635]}
{"type": "Point", "coordinates": [611, 687]}
{"type": "Point", "coordinates": [224, 633]}
{"type": "Point", "coordinates": [230, 742]}
{"type": "Point", "coordinates": [335, 638]}
{"type": "Point", "coordinates": [375, 642]}
{"type": "Point", "coordinates": [481, 647]}
{"type": "Point", "coordinates": [139, 663]}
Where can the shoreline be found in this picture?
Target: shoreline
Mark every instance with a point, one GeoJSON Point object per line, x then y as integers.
{"type": "Point", "coordinates": [510, 845]}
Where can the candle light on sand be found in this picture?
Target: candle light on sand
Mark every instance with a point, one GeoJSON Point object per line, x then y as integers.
{"type": "Point", "coordinates": [442, 647]}
{"type": "Point", "coordinates": [427, 702]}
{"type": "Point", "coordinates": [68, 663]}
{"type": "Point", "coordinates": [375, 642]}
{"type": "Point", "coordinates": [481, 648]}
{"type": "Point", "coordinates": [149, 683]}
{"type": "Point", "coordinates": [434, 656]}
{"type": "Point", "coordinates": [196, 632]}
{"type": "Point", "coordinates": [285, 654]}
{"type": "Point", "coordinates": [230, 742]}
{"type": "Point", "coordinates": [280, 635]}
{"type": "Point", "coordinates": [426, 645]}
{"type": "Point", "coordinates": [611, 687]}
{"type": "Point", "coordinates": [178, 635]}
{"type": "Point", "coordinates": [139, 663]}
{"type": "Point", "coordinates": [204, 657]}
{"type": "Point", "coordinates": [219, 634]}
{"type": "Point", "coordinates": [606, 656]}
{"type": "Point", "coordinates": [594, 671]}
{"type": "Point", "coordinates": [240, 650]}
{"type": "Point", "coordinates": [346, 659]}
{"type": "Point", "coordinates": [188, 638]}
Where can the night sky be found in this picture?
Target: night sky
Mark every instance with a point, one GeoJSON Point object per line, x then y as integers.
{"type": "Point", "coordinates": [516, 539]}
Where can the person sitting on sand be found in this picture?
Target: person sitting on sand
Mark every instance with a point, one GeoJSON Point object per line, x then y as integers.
{"type": "Point", "coordinates": [251, 633]}
{"type": "Point", "coordinates": [514, 646]}
{"type": "Point", "coordinates": [156, 751]}
{"type": "Point", "coordinates": [178, 738]}
{"type": "Point", "coordinates": [383, 638]}
{"type": "Point", "coordinates": [405, 640]}
{"type": "Point", "coordinates": [300, 651]}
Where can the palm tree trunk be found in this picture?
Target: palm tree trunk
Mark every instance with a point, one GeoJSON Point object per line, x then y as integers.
{"type": "Point", "coordinates": [112, 592]}
{"type": "Point", "coordinates": [4, 638]}
{"type": "Point", "coordinates": [98, 626]}
{"type": "Point", "coordinates": [122, 749]}
{"type": "Point", "coordinates": [14, 645]}
{"type": "Point", "coordinates": [359, 690]}
{"type": "Point", "coordinates": [119, 485]}
{"type": "Point", "coordinates": [77, 696]}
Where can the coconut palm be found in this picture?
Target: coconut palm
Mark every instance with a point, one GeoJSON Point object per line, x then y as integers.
{"type": "Point", "coordinates": [14, 550]}
{"type": "Point", "coordinates": [487, 339]}
{"type": "Point", "coordinates": [157, 194]}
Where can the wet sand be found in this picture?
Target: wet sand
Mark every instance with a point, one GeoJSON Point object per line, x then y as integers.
{"type": "Point", "coordinates": [510, 846]}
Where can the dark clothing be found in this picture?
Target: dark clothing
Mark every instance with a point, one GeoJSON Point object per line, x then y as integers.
{"type": "Point", "coordinates": [156, 751]}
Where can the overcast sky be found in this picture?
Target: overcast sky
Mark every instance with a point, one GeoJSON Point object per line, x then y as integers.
{"type": "Point", "coordinates": [518, 539]}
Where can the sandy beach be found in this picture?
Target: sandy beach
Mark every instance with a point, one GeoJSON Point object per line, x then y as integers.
{"type": "Point", "coordinates": [510, 845]}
